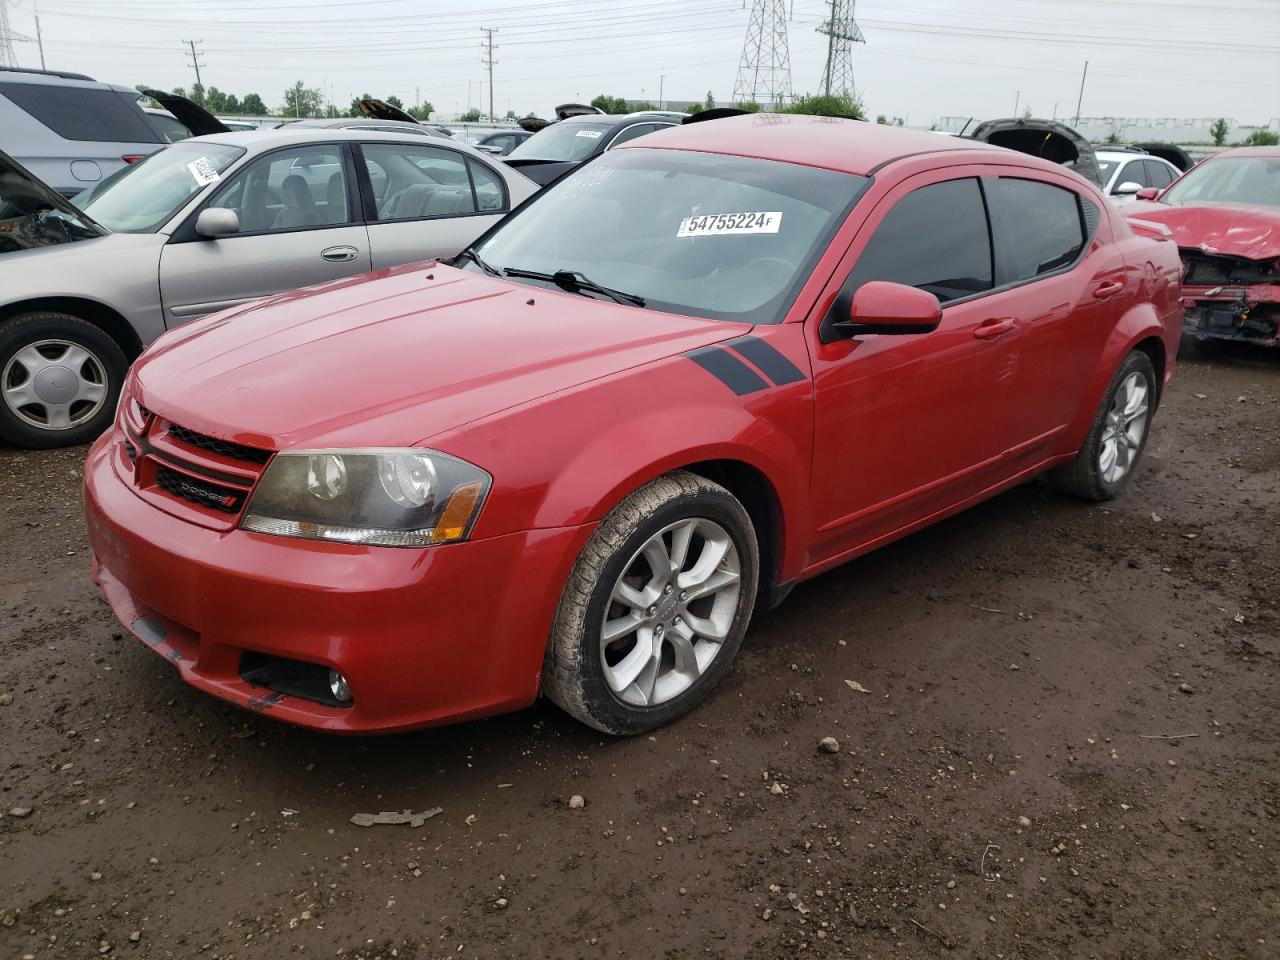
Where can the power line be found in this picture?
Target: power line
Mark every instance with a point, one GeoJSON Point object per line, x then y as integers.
{"type": "Point", "coordinates": [764, 73]}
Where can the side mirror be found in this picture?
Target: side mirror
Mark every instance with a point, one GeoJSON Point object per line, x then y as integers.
{"type": "Point", "coordinates": [1149, 193]}
{"type": "Point", "coordinates": [489, 148]}
{"type": "Point", "coordinates": [1128, 188]}
{"type": "Point", "coordinates": [890, 308]}
{"type": "Point", "coordinates": [215, 222]}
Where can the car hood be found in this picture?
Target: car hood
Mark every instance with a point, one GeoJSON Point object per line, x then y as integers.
{"type": "Point", "coordinates": [1234, 230]}
{"type": "Point", "coordinates": [397, 357]}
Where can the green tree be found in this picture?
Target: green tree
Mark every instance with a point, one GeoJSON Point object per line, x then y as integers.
{"type": "Point", "coordinates": [1262, 138]}
{"type": "Point", "coordinates": [471, 116]}
{"type": "Point", "coordinates": [710, 102]}
{"type": "Point", "coordinates": [1113, 138]}
{"type": "Point", "coordinates": [233, 104]}
{"type": "Point", "coordinates": [1219, 131]}
{"type": "Point", "coordinates": [354, 111]}
{"type": "Point", "coordinates": [252, 104]}
{"type": "Point", "coordinates": [510, 115]}
{"type": "Point", "coordinates": [693, 108]}
{"type": "Point", "coordinates": [395, 102]}
{"type": "Point", "coordinates": [826, 105]}
{"type": "Point", "coordinates": [215, 101]}
{"type": "Point", "coordinates": [197, 93]}
{"type": "Point", "coordinates": [302, 101]}
{"type": "Point", "coordinates": [642, 106]}
{"type": "Point", "coordinates": [881, 118]}
{"type": "Point", "coordinates": [179, 91]}
{"type": "Point", "coordinates": [749, 105]}
{"type": "Point", "coordinates": [610, 104]}
{"type": "Point", "coordinates": [422, 111]}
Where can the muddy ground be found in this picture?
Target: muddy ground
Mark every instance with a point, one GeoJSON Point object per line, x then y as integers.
{"type": "Point", "coordinates": [1023, 660]}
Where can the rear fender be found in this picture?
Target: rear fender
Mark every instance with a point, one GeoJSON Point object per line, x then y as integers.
{"type": "Point", "coordinates": [1141, 323]}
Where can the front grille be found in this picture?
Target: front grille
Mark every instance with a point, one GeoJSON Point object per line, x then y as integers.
{"type": "Point", "coordinates": [131, 451]}
{"type": "Point", "coordinates": [224, 448]}
{"type": "Point", "coordinates": [200, 492]}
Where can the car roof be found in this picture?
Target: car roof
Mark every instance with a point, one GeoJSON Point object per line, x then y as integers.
{"type": "Point", "coordinates": [1120, 156]}
{"type": "Point", "coordinates": [623, 117]}
{"type": "Point", "coordinates": [1245, 152]}
{"type": "Point", "coordinates": [58, 78]}
{"type": "Point", "coordinates": [850, 146]}
{"type": "Point", "coordinates": [269, 138]}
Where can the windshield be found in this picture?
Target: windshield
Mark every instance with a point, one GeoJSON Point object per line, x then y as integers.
{"type": "Point", "coordinates": [141, 198]}
{"type": "Point", "coordinates": [31, 215]}
{"type": "Point", "coordinates": [562, 141]}
{"type": "Point", "coordinates": [1254, 180]}
{"type": "Point", "coordinates": [728, 238]}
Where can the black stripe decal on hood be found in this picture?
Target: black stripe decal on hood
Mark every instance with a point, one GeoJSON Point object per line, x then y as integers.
{"type": "Point", "coordinates": [728, 369]}
{"type": "Point", "coordinates": [773, 364]}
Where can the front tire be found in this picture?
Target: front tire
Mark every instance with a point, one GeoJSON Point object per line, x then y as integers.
{"type": "Point", "coordinates": [60, 377]}
{"type": "Point", "coordinates": [1109, 456]}
{"type": "Point", "coordinates": [655, 608]}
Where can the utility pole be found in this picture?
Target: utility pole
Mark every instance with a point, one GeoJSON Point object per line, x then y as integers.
{"type": "Point", "coordinates": [39, 37]}
{"type": "Point", "coordinates": [488, 61]}
{"type": "Point", "coordinates": [1016, 100]}
{"type": "Point", "coordinates": [1081, 99]}
{"type": "Point", "coordinates": [662, 104]}
{"type": "Point", "coordinates": [196, 65]}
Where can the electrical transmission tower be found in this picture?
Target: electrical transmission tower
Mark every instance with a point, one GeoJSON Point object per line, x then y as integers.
{"type": "Point", "coordinates": [842, 33]}
{"type": "Point", "coordinates": [7, 57]}
{"type": "Point", "coordinates": [764, 73]}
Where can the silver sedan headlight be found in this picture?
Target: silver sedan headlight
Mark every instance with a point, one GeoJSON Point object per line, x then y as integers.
{"type": "Point", "coordinates": [390, 498]}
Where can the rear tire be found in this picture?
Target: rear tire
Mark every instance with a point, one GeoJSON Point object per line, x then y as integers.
{"type": "Point", "coordinates": [1111, 450]}
{"type": "Point", "coordinates": [671, 574]}
{"type": "Point", "coordinates": [60, 378]}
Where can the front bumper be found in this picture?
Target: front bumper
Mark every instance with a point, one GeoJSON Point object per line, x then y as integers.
{"type": "Point", "coordinates": [1246, 314]}
{"type": "Point", "coordinates": [424, 636]}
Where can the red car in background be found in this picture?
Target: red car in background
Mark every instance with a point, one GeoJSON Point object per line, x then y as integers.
{"type": "Point", "coordinates": [694, 372]}
{"type": "Point", "coordinates": [1224, 215]}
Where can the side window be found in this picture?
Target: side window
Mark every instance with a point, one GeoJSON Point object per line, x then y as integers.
{"type": "Point", "coordinates": [635, 131]}
{"type": "Point", "coordinates": [289, 190]}
{"type": "Point", "coordinates": [1134, 171]}
{"type": "Point", "coordinates": [935, 238]}
{"type": "Point", "coordinates": [1038, 226]}
{"type": "Point", "coordinates": [489, 193]}
{"type": "Point", "coordinates": [420, 181]}
{"type": "Point", "coordinates": [1158, 175]}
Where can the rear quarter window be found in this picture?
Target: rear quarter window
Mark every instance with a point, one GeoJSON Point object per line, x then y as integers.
{"type": "Point", "coordinates": [1038, 227]}
{"type": "Point", "coordinates": [80, 113]}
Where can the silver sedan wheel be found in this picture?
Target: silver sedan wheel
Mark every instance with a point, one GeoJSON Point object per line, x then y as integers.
{"type": "Point", "coordinates": [670, 612]}
{"type": "Point", "coordinates": [54, 384]}
{"type": "Point", "coordinates": [1125, 426]}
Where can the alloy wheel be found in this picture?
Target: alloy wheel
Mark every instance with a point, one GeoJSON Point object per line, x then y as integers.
{"type": "Point", "coordinates": [670, 612]}
{"type": "Point", "coordinates": [1124, 429]}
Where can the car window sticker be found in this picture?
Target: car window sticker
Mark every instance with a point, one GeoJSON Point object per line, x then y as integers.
{"type": "Point", "coordinates": [203, 171]}
{"type": "Point", "coordinates": [592, 134]}
{"type": "Point", "coordinates": [727, 224]}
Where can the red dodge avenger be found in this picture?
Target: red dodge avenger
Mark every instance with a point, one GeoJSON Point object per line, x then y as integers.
{"type": "Point", "coordinates": [702, 368]}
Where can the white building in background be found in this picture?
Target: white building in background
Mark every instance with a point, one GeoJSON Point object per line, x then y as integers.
{"type": "Point", "coordinates": [1138, 129]}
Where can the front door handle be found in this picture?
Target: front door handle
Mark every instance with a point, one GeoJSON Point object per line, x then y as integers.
{"type": "Point", "coordinates": [339, 254]}
{"type": "Point", "coordinates": [1108, 289]}
{"type": "Point", "coordinates": [994, 328]}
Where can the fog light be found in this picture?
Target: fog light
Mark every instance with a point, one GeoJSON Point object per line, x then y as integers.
{"type": "Point", "coordinates": [338, 687]}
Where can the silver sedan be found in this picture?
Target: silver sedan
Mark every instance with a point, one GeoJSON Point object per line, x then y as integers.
{"type": "Point", "coordinates": [207, 224]}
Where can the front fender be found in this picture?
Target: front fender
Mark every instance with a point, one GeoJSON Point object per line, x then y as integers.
{"type": "Point", "coordinates": [568, 459]}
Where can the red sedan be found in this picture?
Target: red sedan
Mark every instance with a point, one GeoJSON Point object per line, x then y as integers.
{"type": "Point", "coordinates": [693, 373]}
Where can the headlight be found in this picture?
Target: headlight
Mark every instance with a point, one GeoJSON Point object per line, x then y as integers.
{"type": "Point", "coordinates": [392, 498]}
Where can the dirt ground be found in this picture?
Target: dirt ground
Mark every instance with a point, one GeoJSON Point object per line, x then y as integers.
{"type": "Point", "coordinates": [1033, 658]}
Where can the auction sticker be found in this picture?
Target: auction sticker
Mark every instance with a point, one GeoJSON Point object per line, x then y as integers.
{"type": "Point", "coordinates": [203, 171]}
{"type": "Point", "coordinates": [727, 224]}
{"type": "Point", "coordinates": [590, 134]}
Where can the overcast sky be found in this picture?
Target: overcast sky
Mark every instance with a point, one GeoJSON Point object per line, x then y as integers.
{"type": "Point", "coordinates": [923, 58]}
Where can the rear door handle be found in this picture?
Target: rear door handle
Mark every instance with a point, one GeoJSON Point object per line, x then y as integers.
{"type": "Point", "coordinates": [1108, 289]}
{"type": "Point", "coordinates": [994, 328]}
{"type": "Point", "coordinates": [339, 254]}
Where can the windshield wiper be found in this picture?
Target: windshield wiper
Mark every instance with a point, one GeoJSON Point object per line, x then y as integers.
{"type": "Point", "coordinates": [475, 258]}
{"type": "Point", "coordinates": [576, 282]}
